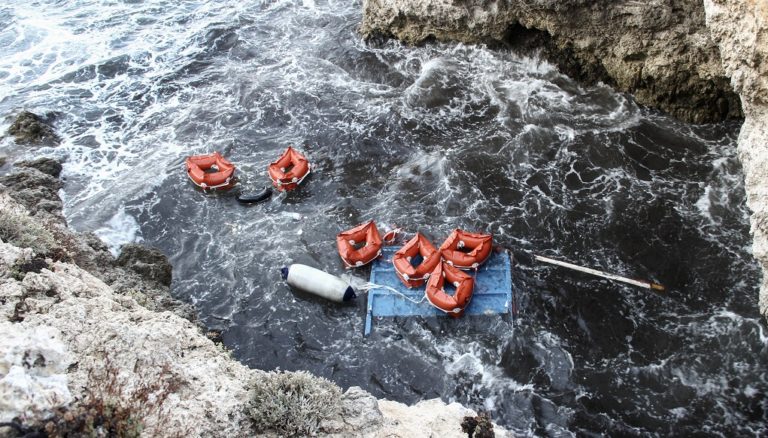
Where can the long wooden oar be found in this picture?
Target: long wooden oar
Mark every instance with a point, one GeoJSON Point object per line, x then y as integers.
{"type": "Point", "coordinates": [641, 283]}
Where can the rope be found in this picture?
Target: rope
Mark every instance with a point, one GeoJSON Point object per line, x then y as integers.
{"type": "Point", "coordinates": [368, 286]}
{"type": "Point", "coordinates": [409, 278]}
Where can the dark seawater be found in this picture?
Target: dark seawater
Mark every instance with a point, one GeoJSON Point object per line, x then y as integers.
{"type": "Point", "coordinates": [430, 139]}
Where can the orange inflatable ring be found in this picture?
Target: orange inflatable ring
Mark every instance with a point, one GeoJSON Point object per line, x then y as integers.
{"type": "Point", "coordinates": [454, 304]}
{"type": "Point", "coordinates": [349, 243]}
{"type": "Point", "coordinates": [466, 250]}
{"type": "Point", "coordinates": [211, 171]}
{"type": "Point", "coordinates": [410, 275]}
{"type": "Point", "coordinates": [289, 170]}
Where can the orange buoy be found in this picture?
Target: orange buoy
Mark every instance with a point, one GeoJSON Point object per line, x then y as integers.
{"type": "Point", "coordinates": [360, 245]}
{"type": "Point", "coordinates": [415, 275]}
{"type": "Point", "coordinates": [289, 170]}
{"type": "Point", "coordinates": [211, 171]}
{"type": "Point", "coordinates": [466, 250]}
{"type": "Point", "coordinates": [455, 304]}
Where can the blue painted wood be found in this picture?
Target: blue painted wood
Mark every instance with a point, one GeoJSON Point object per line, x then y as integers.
{"type": "Point", "coordinates": [492, 295]}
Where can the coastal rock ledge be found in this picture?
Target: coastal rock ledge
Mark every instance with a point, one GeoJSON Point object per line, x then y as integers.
{"type": "Point", "coordinates": [660, 51]}
{"type": "Point", "coordinates": [699, 61]}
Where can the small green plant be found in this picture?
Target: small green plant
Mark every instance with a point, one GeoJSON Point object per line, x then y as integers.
{"type": "Point", "coordinates": [292, 403]}
{"type": "Point", "coordinates": [24, 231]}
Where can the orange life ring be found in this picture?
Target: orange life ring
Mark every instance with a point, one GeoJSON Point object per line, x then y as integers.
{"type": "Point", "coordinates": [410, 275]}
{"type": "Point", "coordinates": [454, 304]}
{"type": "Point", "coordinates": [199, 165]}
{"type": "Point", "coordinates": [466, 250]}
{"type": "Point", "coordinates": [348, 242]}
{"type": "Point", "coordinates": [289, 170]}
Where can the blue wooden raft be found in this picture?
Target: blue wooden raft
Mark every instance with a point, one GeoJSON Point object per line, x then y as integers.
{"type": "Point", "coordinates": [493, 291]}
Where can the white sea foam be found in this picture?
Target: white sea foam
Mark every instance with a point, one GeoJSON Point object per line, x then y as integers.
{"type": "Point", "coordinates": [120, 229]}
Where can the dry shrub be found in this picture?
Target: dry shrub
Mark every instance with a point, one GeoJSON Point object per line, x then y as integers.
{"type": "Point", "coordinates": [110, 407]}
{"type": "Point", "coordinates": [292, 403]}
{"type": "Point", "coordinates": [24, 231]}
{"type": "Point", "coordinates": [478, 427]}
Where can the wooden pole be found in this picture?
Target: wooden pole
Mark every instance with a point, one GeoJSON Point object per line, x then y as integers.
{"type": "Point", "coordinates": [640, 283]}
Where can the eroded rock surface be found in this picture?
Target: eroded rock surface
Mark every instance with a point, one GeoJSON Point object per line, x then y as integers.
{"type": "Point", "coordinates": [29, 128]}
{"type": "Point", "coordinates": [740, 28]}
{"type": "Point", "coordinates": [36, 190]}
{"type": "Point", "coordinates": [659, 50]}
{"type": "Point", "coordinates": [48, 166]}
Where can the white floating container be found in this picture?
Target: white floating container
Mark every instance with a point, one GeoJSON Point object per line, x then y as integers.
{"type": "Point", "coordinates": [317, 282]}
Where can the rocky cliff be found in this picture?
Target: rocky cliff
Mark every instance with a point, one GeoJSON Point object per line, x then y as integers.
{"type": "Point", "coordinates": [97, 346]}
{"type": "Point", "coordinates": [658, 50]}
{"type": "Point", "coordinates": [700, 61]}
{"type": "Point", "coordinates": [740, 28]}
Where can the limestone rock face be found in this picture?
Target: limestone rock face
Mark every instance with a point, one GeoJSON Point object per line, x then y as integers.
{"type": "Point", "coordinates": [658, 50]}
{"type": "Point", "coordinates": [143, 273]}
{"type": "Point", "coordinates": [429, 415]}
{"type": "Point", "coordinates": [33, 367]}
{"type": "Point", "coordinates": [97, 325]}
{"type": "Point", "coordinates": [740, 28]}
{"type": "Point", "coordinates": [72, 322]}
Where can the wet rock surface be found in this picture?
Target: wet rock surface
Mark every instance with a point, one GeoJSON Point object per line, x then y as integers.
{"type": "Point", "coordinates": [31, 129]}
{"type": "Point", "coordinates": [140, 272]}
{"type": "Point", "coordinates": [659, 51]}
{"type": "Point", "coordinates": [48, 166]}
{"type": "Point", "coordinates": [148, 262]}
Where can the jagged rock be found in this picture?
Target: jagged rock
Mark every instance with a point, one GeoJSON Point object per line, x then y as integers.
{"type": "Point", "coordinates": [95, 323]}
{"type": "Point", "coordinates": [145, 274]}
{"type": "Point", "coordinates": [659, 51]}
{"type": "Point", "coordinates": [141, 273]}
{"type": "Point", "coordinates": [149, 262]}
{"type": "Point", "coordinates": [48, 166]}
{"type": "Point", "coordinates": [36, 190]}
{"type": "Point", "coordinates": [434, 416]}
{"type": "Point", "coordinates": [29, 128]}
{"type": "Point", "coordinates": [359, 412]}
